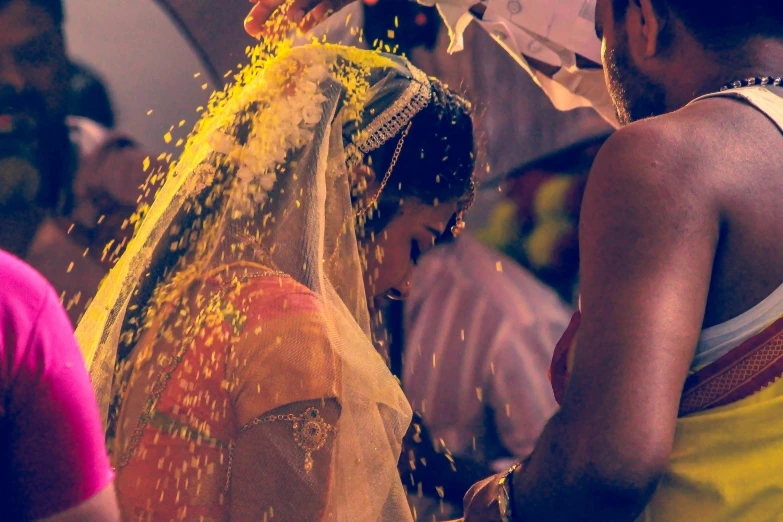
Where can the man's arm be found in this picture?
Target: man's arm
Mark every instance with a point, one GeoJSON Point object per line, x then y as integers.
{"type": "Point", "coordinates": [648, 238]}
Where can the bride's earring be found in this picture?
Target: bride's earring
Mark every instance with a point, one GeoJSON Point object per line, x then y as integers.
{"type": "Point", "coordinates": [459, 225]}
{"type": "Point", "coordinates": [459, 222]}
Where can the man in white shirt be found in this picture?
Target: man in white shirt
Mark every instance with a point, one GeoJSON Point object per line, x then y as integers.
{"type": "Point", "coordinates": [479, 336]}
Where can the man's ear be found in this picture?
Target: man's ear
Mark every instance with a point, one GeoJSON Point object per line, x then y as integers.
{"type": "Point", "coordinates": [651, 26]}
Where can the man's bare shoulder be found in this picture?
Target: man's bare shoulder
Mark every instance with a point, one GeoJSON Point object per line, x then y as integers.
{"type": "Point", "coordinates": [706, 146]}
{"type": "Point", "coordinates": [686, 148]}
{"type": "Point", "coordinates": [650, 175]}
{"type": "Point", "coordinates": [652, 152]}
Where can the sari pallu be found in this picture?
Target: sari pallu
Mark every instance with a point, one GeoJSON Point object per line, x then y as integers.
{"type": "Point", "coordinates": [727, 459]}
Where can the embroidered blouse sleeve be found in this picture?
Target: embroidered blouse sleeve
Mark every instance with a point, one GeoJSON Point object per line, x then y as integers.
{"type": "Point", "coordinates": [283, 355]}
{"type": "Point", "coordinates": [284, 384]}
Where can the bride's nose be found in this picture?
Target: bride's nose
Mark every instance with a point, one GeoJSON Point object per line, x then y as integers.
{"type": "Point", "coordinates": [401, 291]}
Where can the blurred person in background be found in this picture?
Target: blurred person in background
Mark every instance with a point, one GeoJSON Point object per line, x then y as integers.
{"type": "Point", "coordinates": [479, 335]}
{"type": "Point", "coordinates": [53, 461]}
{"type": "Point", "coordinates": [536, 223]}
{"type": "Point", "coordinates": [478, 380]}
{"type": "Point", "coordinates": [67, 185]}
{"type": "Point", "coordinates": [89, 96]}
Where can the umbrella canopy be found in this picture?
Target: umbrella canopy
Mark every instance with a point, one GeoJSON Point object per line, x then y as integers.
{"type": "Point", "coordinates": [214, 32]}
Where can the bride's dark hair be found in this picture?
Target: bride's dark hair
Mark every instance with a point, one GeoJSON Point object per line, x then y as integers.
{"type": "Point", "coordinates": [437, 159]}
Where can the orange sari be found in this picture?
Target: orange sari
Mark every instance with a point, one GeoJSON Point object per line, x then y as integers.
{"type": "Point", "coordinates": [173, 458]}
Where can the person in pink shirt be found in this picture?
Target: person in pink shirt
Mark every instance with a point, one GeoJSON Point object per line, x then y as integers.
{"type": "Point", "coordinates": [53, 461]}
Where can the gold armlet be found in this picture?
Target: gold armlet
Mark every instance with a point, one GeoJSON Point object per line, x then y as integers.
{"type": "Point", "coordinates": [310, 430]}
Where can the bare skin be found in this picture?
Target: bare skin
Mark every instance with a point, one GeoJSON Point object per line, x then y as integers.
{"type": "Point", "coordinates": [680, 230]}
{"type": "Point", "coordinates": [392, 253]}
{"type": "Point", "coordinates": [308, 12]}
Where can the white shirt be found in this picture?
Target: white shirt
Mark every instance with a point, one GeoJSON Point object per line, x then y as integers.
{"type": "Point", "coordinates": [479, 337]}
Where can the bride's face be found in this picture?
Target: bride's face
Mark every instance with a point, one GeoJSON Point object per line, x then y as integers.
{"type": "Point", "coordinates": [395, 250]}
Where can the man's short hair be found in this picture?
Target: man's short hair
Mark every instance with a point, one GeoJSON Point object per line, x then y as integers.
{"type": "Point", "coordinates": [53, 7]}
{"type": "Point", "coordinates": [721, 25]}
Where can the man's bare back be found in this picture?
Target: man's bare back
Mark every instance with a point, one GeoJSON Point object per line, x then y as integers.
{"type": "Point", "coordinates": [722, 159]}
{"type": "Point", "coordinates": [680, 229]}
{"type": "Point", "coordinates": [742, 169]}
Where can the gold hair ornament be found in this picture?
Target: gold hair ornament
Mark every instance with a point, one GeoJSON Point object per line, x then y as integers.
{"type": "Point", "coordinates": [374, 200]}
{"type": "Point", "coordinates": [392, 120]}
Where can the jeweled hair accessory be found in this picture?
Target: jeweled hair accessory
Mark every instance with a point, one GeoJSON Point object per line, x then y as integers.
{"type": "Point", "coordinates": [394, 119]}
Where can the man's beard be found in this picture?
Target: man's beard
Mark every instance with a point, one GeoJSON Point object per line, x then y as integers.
{"type": "Point", "coordinates": [634, 94]}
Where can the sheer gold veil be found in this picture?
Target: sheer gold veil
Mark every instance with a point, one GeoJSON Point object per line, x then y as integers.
{"type": "Point", "coordinates": [265, 179]}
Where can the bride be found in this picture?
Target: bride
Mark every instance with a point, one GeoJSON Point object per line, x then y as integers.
{"type": "Point", "coordinates": [248, 387]}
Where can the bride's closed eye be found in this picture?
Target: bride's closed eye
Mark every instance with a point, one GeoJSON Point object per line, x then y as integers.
{"type": "Point", "coordinates": [415, 252]}
{"type": "Point", "coordinates": [433, 234]}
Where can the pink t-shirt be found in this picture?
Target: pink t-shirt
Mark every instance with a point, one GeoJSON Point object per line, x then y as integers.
{"type": "Point", "coordinates": [52, 452]}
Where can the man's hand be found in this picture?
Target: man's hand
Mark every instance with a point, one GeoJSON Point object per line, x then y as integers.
{"type": "Point", "coordinates": [481, 502]}
{"type": "Point", "coordinates": [435, 470]}
{"type": "Point", "coordinates": [315, 11]}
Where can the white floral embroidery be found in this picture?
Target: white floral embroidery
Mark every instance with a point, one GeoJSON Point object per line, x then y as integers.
{"type": "Point", "coordinates": [284, 126]}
